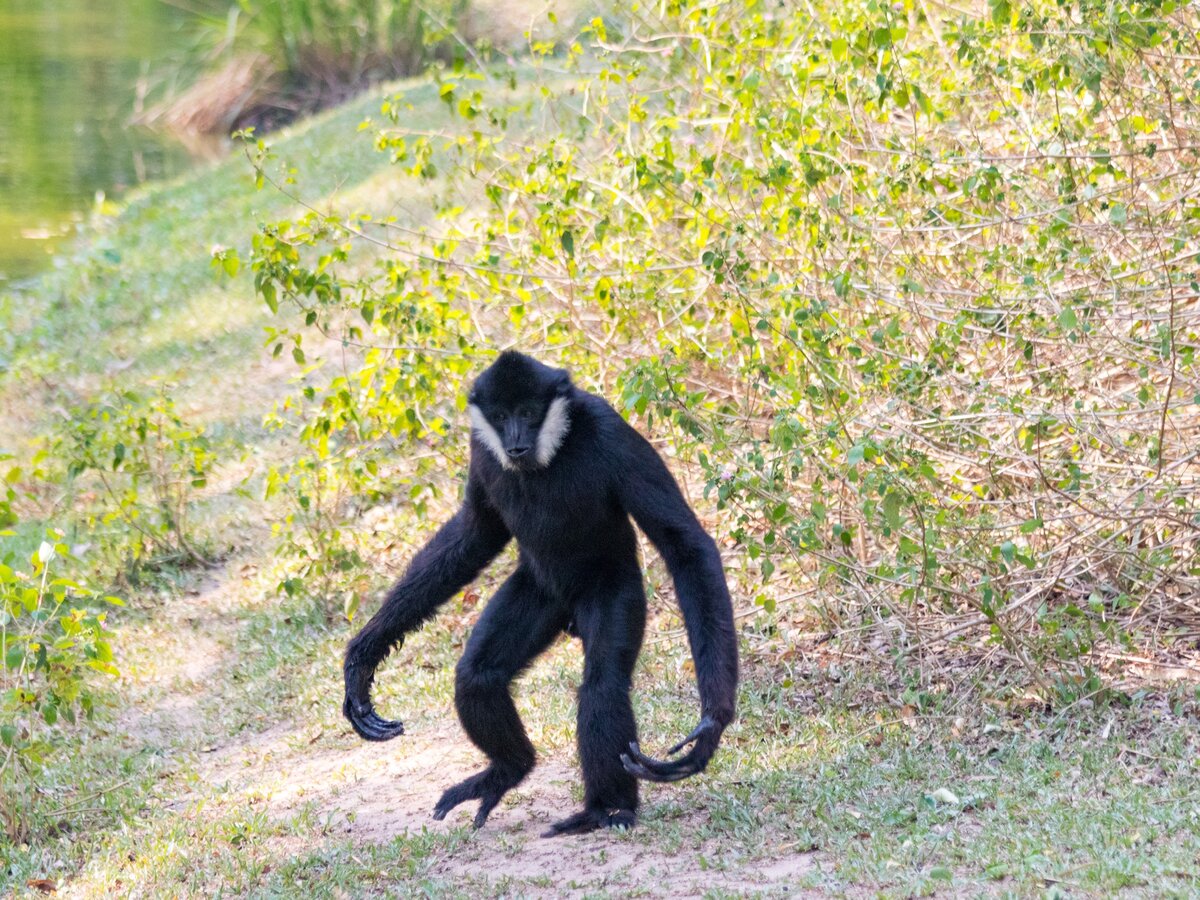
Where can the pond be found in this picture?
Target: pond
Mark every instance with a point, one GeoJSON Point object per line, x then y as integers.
{"type": "Point", "coordinates": [71, 73]}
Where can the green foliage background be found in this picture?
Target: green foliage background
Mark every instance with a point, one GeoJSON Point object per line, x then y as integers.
{"type": "Point", "coordinates": [914, 289]}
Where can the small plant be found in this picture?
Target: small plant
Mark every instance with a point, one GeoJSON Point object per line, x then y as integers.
{"type": "Point", "coordinates": [316, 551]}
{"type": "Point", "coordinates": [352, 435]}
{"type": "Point", "coordinates": [52, 635]}
{"type": "Point", "coordinates": [137, 465]}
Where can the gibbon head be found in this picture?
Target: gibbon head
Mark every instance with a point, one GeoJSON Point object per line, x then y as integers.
{"type": "Point", "coordinates": [520, 411]}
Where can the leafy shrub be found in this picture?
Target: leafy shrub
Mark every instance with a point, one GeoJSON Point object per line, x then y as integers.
{"type": "Point", "coordinates": [136, 466]}
{"type": "Point", "coordinates": [912, 287]}
{"type": "Point", "coordinates": [320, 558]}
{"type": "Point", "coordinates": [53, 634]}
{"type": "Point", "coordinates": [368, 461]}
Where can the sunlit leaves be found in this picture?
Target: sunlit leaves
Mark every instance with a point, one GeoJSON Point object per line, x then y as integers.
{"type": "Point", "coordinates": [912, 292]}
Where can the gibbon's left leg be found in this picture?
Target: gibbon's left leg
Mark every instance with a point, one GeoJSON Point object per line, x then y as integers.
{"type": "Point", "coordinates": [519, 623]}
{"type": "Point", "coordinates": [611, 620]}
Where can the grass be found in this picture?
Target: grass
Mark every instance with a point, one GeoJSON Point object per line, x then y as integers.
{"type": "Point", "coordinates": [223, 767]}
{"type": "Point", "coordinates": [145, 285]}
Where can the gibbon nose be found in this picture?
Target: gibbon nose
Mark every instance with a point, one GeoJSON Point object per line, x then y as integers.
{"type": "Point", "coordinates": [517, 452]}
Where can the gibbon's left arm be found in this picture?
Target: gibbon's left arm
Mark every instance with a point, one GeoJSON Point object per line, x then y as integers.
{"type": "Point", "coordinates": [650, 494]}
{"type": "Point", "coordinates": [451, 559]}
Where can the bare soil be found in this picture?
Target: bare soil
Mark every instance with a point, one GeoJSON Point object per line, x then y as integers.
{"type": "Point", "coordinates": [374, 793]}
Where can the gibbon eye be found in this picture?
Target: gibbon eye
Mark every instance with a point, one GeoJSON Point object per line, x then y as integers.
{"type": "Point", "coordinates": [501, 417]}
{"type": "Point", "coordinates": [527, 414]}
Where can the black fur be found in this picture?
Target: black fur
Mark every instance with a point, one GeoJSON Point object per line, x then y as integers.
{"type": "Point", "coordinates": [577, 570]}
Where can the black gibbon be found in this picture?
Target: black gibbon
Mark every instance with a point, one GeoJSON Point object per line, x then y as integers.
{"type": "Point", "coordinates": [558, 469]}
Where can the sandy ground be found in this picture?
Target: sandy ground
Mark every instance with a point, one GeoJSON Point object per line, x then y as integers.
{"type": "Point", "coordinates": [376, 792]}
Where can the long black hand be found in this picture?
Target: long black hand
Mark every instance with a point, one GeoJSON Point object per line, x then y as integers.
{"type": "Point", "coordinates": [704, 740]}
{"type": "Point", "coordinates": [358, 708]}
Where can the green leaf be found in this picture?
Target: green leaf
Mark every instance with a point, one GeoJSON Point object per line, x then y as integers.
{"type": "Point", "coordinates": [891, 510]}
{"type": "Point", "coordinates": [568, 243]}
{"type": "Point", "coordinates": [841, 284]}
{"type": "Point", "coordinates": [267, 289]}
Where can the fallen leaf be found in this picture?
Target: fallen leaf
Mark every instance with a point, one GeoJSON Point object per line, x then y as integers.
{"type": "Point", "coordinates": [945, 795]}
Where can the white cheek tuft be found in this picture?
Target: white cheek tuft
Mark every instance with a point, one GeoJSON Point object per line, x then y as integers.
{"type": "Point", "coordinates": [487, 434]}
{"type": "Point", "coordinates": [553, 430]}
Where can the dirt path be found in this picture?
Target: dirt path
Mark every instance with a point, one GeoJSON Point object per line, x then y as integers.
{"type": "Point", "coordinates": [373, 793]}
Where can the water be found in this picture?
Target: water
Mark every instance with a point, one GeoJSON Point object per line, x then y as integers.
{"type": "Point", "coordinates": [69, 83]}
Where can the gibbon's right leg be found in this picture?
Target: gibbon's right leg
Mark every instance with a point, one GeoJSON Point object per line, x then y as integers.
{"type": "Point", "coordinates": [519, 623]}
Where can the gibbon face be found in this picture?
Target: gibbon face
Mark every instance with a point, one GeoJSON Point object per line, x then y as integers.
{"type": "Point", "coordinates": [520, 411]}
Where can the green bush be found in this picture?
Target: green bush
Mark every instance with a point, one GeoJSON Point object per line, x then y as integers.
{"type": "Point", "coordinates": [912, 287]}
{"type": "Point", "coordinates": [331, 482]}
{"type": "Point", "coordinates": [53, 635]}
{"type": "Point", "coordinates": [135, 466]}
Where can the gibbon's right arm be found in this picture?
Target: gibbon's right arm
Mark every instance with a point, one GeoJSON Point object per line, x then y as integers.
{"type": "Point", "coordinates": [450, 561]}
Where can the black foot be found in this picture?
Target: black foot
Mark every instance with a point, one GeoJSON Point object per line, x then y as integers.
{"type": "Point", "coordinates": [591, 820]}
{"type": "Point", "coordinates": [488, 787]}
